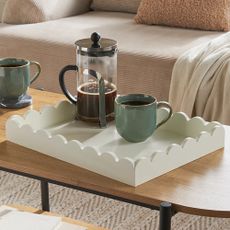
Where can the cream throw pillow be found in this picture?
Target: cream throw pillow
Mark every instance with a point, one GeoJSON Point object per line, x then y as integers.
{"type": "Point", "coordinates": [199, 14]}
{"type": "Point", "coordinates": [34, 11]}
{"type": "Point", "coordinates": [2, 4]}
{"type": "Point", "coordinates": [129, 6]}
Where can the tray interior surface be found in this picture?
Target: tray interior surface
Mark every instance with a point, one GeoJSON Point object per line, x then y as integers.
{"type": "Point", "coordinates": [108, 140]}
{"type": "Point", "coordinates": [60, 120]}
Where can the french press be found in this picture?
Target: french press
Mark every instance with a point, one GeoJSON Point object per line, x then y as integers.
{"type": "Point", "coordinates": [96, 67]}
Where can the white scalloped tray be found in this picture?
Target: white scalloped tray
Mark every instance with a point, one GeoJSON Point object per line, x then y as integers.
{"type": "Point", "coordinates": [55, 132]}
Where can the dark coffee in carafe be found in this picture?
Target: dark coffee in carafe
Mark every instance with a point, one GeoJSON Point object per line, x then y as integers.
{"type": "Point", "coordinates": [88, 101]}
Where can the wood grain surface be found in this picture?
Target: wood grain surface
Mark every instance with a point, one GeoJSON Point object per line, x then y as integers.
{"type": "Point", "coordinates": [77, 222]}
{"type": "Point", "coordinates": [201, 187]}
{"type": "Point", "coordinates": [25, 208]}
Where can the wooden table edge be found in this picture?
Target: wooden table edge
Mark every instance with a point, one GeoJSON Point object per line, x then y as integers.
{"type": "Point", "coordinates": [98, 189]}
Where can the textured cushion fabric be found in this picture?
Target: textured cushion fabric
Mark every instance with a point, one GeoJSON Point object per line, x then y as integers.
{"type": "Point", "coordinates": [205, 14]}
{"type": "Point", "coordinates": [146, 53]}
{"type": "Point", "coordinates": [34, 11]}
{"type": "Point", "coordinates": [129, 6]}
{"type": "Point", "coordinates": [2, 5]}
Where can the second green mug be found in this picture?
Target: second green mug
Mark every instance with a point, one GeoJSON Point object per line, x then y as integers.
{"type": "Point", "coordinates": [15, 78]}
{"type": "Point", "coordinates": [136, 116]}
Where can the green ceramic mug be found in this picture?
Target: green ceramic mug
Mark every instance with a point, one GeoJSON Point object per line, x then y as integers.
{"type": "Point", "coordinates": [15, 78]}
{"type": "Point", "coordinates": [136, 116]}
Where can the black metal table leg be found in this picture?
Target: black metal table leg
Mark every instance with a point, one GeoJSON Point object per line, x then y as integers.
{"type": "Point", "coordinates": [165, 216]}
{"type": "Point", "coordinates": [166, 209]}
{"type": "Point", "coordinates": [45, 195]}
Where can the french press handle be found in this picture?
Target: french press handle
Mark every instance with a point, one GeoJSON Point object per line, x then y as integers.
{"type": "Point", "coordinates": [62, 82]}
{"type": "Point", "coordinates": [97, 75]}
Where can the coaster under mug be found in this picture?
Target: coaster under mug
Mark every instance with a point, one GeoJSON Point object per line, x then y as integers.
{"type": "Point", "coordinates": [15, 79]}
{"type": "Point", "coordinates": [25, 101]}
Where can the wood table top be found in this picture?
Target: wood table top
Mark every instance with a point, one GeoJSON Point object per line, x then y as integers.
{"type": "Point", "coordinates": [201, 187]}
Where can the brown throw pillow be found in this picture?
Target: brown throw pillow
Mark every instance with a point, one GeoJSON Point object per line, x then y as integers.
{"type": "Point", "coordinates": [197, 14]}
{"type": "Point", "coordinates": [129, 6]}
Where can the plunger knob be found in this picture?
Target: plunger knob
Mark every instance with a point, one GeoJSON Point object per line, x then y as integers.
{"type": "Point", "coordinates": [95, 38]}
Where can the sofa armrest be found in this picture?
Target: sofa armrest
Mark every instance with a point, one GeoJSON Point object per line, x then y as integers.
{"type": "Point", "coordinates": [35, 11]}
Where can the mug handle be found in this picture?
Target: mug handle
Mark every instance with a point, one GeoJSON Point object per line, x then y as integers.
{"type": "Point", "coordinates": [164, 104]}
{"type": "Point", "coordinates": [38, 72]}
{"type": "Point", "coordinates": [62, 82]}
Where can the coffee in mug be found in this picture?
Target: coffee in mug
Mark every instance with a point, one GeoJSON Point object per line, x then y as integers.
{"type": "Point", "coordinates": [136, 116]}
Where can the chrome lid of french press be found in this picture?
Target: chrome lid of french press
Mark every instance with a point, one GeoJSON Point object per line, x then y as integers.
{"type": "Point", "coordinates": [96, 46]}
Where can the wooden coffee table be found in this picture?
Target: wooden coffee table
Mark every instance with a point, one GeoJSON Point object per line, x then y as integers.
{"type": "Point", "coordinates": [201, 187]}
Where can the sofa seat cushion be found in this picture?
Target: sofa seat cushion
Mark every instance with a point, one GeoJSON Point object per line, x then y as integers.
{"type": "Point", "coordinates": [146, 53]}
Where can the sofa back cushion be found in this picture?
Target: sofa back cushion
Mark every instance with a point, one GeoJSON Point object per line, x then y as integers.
{"type": "Point", "coordinates": [34, 11]}
{"type": "Point", "coordinates": [197, 14]}
{"type": "Point", "coordinates": [2, 4]}
{"type": "Point", "coordinates": [129, 6]}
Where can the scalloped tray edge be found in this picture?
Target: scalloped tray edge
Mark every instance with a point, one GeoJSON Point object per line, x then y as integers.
{"type": "Point", "coordinates": [126, 170]}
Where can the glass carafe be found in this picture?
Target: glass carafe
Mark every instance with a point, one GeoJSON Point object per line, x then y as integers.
{"type": "Point", "coordinates": [96, 67]}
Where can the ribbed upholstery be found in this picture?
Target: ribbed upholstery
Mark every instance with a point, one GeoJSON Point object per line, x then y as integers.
{"type": "Point", "coordinates": [34, 11]}
{"type": "Point", "coordinates": [129, 6]}
{"type": "Point", "coordinates": [146, 53]}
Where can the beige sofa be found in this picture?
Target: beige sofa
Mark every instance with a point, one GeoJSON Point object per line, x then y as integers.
{"type": "Point", "coordinates": [146, 53]}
